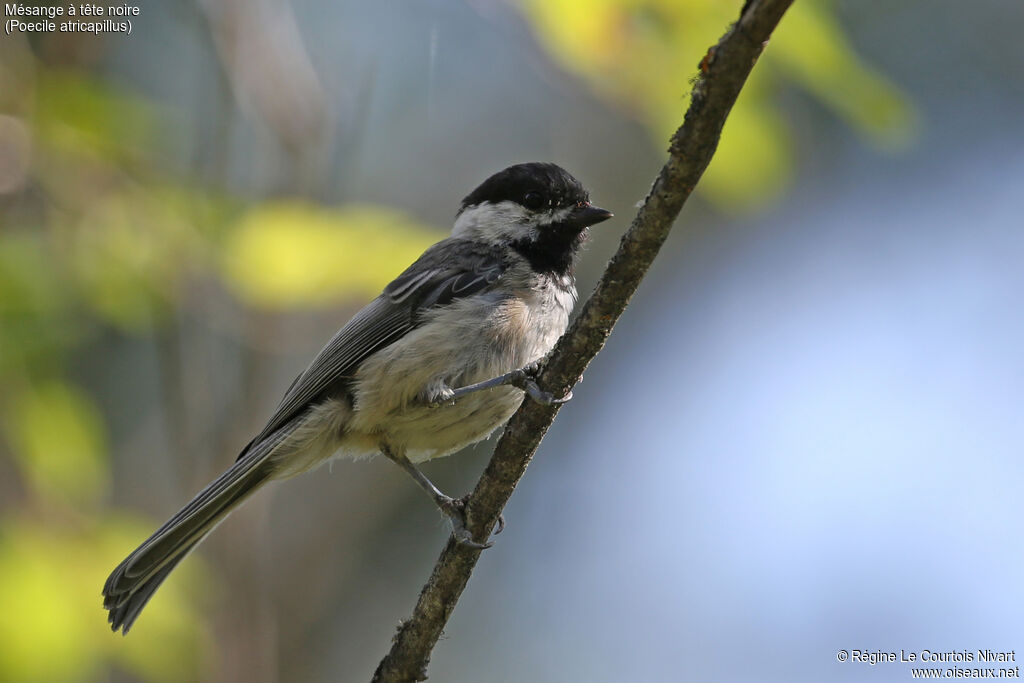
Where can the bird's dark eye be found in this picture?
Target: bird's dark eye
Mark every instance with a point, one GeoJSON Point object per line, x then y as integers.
{"type": "Point", "coordinates": [534, 200]}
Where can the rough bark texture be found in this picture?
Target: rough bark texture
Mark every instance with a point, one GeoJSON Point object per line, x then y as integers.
{"type": "Point", "coordinates": [723, 71]}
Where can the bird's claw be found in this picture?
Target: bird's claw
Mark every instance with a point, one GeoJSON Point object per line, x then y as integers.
{"type": "Point", "coordinates": [525, 379]}
{"type": "Point", "coordinates": [445, 395]}
{"type": "Point", "coordinates": [455, 511]}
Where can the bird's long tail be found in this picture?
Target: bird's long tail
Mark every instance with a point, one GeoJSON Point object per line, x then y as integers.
{"type": "Point", "coordinates": [130, 586]}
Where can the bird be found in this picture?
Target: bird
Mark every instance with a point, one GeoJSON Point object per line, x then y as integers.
{"type": "Point", "coordinates": [439, 361]}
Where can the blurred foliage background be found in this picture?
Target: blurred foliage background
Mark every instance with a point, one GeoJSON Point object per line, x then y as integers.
{"type": "Point", "coordinates": [188, 213]}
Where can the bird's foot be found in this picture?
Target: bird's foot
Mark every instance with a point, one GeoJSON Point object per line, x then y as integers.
{"type": "Point", "coordinates": [441, 395]}
{"type": "Point", "coordinates": [526, 379]}
{"type": "Point", "coordinates": [523, 378]}
{"type": "Point", "coordinates": [455, 510]}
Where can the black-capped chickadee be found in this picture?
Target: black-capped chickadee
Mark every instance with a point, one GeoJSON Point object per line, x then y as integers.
{"type": "Point", "coordinates": [435, 363]}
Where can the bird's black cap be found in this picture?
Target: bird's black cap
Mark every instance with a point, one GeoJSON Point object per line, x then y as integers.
{"type": "Point", "coordinates": [555, 185]}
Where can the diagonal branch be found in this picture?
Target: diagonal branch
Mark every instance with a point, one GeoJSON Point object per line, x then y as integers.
{"type": "Point", "coordinates": [723, 71]}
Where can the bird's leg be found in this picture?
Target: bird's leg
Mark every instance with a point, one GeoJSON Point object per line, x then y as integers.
{"type": "Point", "coordinates": [523, 378]}
{"type": "Point", "coordinates": [452, 508]}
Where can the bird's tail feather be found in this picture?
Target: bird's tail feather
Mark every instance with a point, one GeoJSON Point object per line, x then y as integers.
{"type": "Point", "coordinates": [133, 582]}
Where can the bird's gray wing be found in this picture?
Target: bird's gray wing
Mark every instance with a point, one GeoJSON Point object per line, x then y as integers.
{"type": "Point", "coordinates": [456, 269]}
{"type": "Point", "coordinates": [449, 270]}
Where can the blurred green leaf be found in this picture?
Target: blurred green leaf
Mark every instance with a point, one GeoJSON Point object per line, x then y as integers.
{"type": "Point", "coordinates": [58, 442]}
{"type": "Point", "coordinates": [287, 254]}
{"type": "Point", "coordinates": [811, 48]}
{"type": "Point", "coordinates": [28, 286]}
{"type": "Point", "coordinates": [130, 251]}
{"type": "Point", "coordinates": [45, 638]}
{"type": "Point", "coordinates": [52, 625]}
{"type": "Point", "coordinates": [35, 307]}
{"type": "Point", "coordinates": [76, 112]}
{"type": "Point", "coordinates": [753, 162]}
{"type": "Point", "coordinates": [640, 53]}
{"type": "Point", "coordinates": [113, 258]}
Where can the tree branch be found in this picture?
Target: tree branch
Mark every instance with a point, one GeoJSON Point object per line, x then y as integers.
{"type": "Point", "coordinates": [723, 71]}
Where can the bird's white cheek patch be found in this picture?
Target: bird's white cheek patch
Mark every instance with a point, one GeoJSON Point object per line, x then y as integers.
{"type": "Point", "coordinates": [493, 223]}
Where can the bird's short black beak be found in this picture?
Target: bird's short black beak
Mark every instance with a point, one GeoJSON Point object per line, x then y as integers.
{"type": "Point", "coordinates": [585, 215]}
